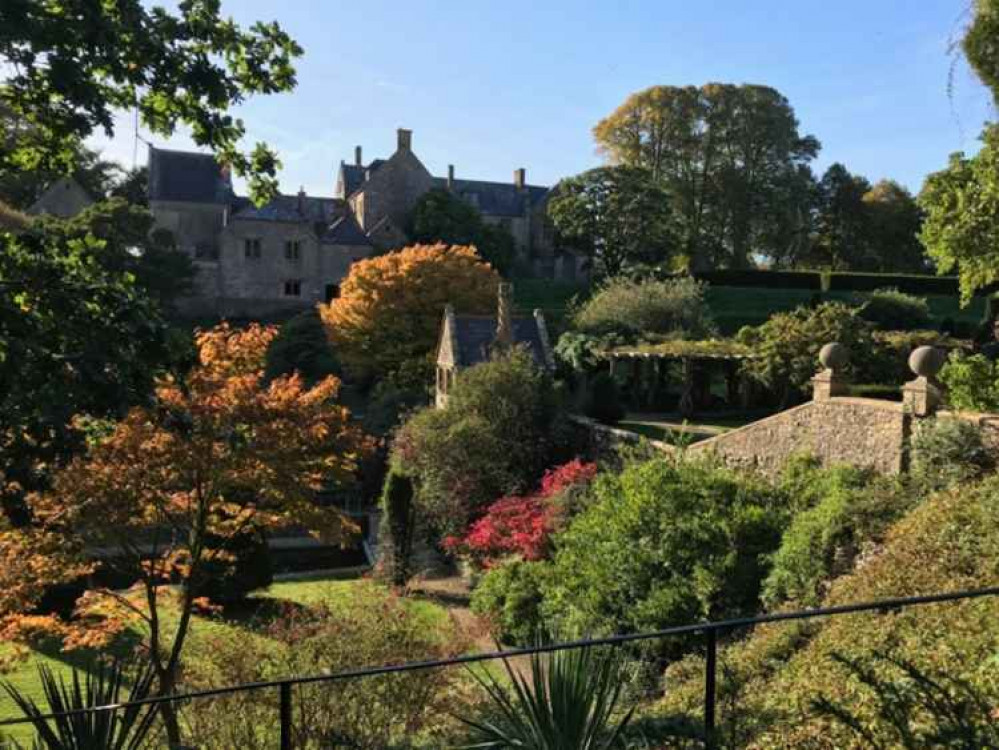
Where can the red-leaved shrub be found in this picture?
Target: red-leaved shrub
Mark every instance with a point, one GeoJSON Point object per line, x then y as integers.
{"type": "Point", "coordinates": [521, 526]}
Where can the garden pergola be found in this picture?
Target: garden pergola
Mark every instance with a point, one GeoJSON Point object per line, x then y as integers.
{"type": "Point", "coordinates": [648, 365]}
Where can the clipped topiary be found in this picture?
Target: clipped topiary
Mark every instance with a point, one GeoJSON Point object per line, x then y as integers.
{"type": "Point", "coordinates": [892, 310]}
{"type": "Point", "coordinates": [397, 527]}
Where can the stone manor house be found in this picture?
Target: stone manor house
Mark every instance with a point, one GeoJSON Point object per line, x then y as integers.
{"type": "Point", "coordinates": [295, 251]}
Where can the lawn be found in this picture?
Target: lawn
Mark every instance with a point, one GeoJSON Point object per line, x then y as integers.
{"type": "Point", "coordinates": [23, 674]}
{"type": "Point", "coordinates": [675, 430]}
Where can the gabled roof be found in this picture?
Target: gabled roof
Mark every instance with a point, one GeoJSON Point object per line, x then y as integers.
{"type": "Point", "coordinates": [345, 231]}
{"type": "Point", "coordinates": [475, 335]}
{"type": "Point", "coordinates": [289, 208]}
{"type": "Point", "coordinates": [496, 198]}
{"type": "Point", "coordinates": [186, 176]}
{"type": "Point", "coordinates": [352, 175]}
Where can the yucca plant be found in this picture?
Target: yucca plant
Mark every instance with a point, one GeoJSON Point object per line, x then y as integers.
{"type": "Point", "coordinates": [568, 701]}
{"type": "Point", "coordinates": [106, 684]}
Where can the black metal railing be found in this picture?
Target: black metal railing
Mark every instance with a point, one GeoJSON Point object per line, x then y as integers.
{"type": "Point", "coordinates": [711, 631]}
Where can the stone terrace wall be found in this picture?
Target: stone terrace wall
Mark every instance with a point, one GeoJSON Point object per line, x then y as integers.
{"type": "Point", "coordinates": [858, 431]}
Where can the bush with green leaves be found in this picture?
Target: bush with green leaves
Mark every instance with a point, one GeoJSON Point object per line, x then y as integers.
{"type": "Point", "coordinates": [501, 429]}
{"type": "Point", "coordinates": [786, 347]}
{"type": "Point", "coordinates": [365, 627]}
{"type": "Point", "coordinates": [665, 542]}
{"type": "Point", "coordinates": [915, 707]}
{"type": "Point", "coordinates": [775, 676]}
{"type": "Point", "coordinates": [635, 309]}
{"type": "Point", "coordinates": [842, 511]}
{"type": "Point", "coordinates": [510, 597]}
{"type": "Point", "coordinates": [947, 452]}
{"type": "Point", "coordinates": [892, 310]}
{"type": "Point", "coordinates": [972, 382]}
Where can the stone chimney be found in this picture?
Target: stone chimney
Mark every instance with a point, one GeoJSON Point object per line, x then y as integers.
{"type": "Point", "coordinates": [358, 161]}
{"type": "Point", "coordinates": [404, 139]}
{"type": "Point", "coordinates": [301, 200]}
{"type": "Point", "coordinates": [520, 178]}
{"type": "Point", "coordinates": [504, 316]}
{"type": "Point", "coordinates": [450, 176]}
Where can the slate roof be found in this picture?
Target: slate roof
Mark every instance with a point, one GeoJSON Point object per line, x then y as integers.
{"type": "Point", "coordinates": [476, 334]}
{"type": "Point", "coordinates": [345, 231]}
{"type": "Point", "coordinates": [353, 175]}
{"type": "Point", "coordinates": [186, 176]}
{"type": "Point", "coordinates": [289, 208]}
{"type": "Point", "coordinates": [495, 198]}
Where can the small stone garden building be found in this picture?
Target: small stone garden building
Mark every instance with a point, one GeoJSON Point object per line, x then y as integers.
{"type": "Point", "coordinates": [467, 340]}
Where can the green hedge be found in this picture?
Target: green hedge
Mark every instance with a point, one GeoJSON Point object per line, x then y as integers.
{"type": "Point", "coordinates": [832, 281]}
{"type": "Point", "coordinates": [757, 278]}
{"type": "Point", "coordinates": [910, 284]}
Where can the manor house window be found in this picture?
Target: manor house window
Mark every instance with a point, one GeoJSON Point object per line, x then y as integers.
{"type": "Point", "coordinates": [293, 288]}
{"type": "Point", "coordinates": [251, 248]}
{"type": "Point", "coordinates": [292, 249]}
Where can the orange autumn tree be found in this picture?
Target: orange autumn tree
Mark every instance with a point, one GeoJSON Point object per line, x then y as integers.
{"type": "Point", "coordinates": [390, 307]}
{"type": "Point", "coordinates": [220, 452]}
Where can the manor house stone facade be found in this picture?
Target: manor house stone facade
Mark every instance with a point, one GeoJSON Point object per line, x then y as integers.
{"type": "Point", "coordinates": [295, 251]}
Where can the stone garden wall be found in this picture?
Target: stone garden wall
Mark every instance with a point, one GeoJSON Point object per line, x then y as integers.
{"type": "Point", "coordinates": [859, 431]}
{"type": "Point", "coordinates": [834, 428]}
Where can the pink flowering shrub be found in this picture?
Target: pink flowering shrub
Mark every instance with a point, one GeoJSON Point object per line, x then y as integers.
{"type": "Point", "coordinates": [521, 526]}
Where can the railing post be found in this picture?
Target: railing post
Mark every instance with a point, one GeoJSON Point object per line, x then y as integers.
{"type": "Point", "coordinates": [285, 716]}
{"type": "Point", "coordinates": [710, 668]}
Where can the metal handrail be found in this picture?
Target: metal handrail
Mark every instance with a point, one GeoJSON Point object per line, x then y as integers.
{"type": "Point", "coordinates": [710, 629]}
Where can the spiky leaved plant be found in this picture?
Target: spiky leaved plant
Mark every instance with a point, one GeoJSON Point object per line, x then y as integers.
{"type": "Point", "coordinates": [568, 701]}
{"type": "Point", "coordinates": [105, 685]}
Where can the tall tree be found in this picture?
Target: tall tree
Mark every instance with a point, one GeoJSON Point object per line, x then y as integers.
{"type": "Point", "coordinates": [894, 220]}
{"type": "Point", "coordinates": [616, 217]}
{"type": "Point", "coordinates": [71, 63]}
{"type": "Point", "coordinates": [841, 225]}
{"type": "Point", "coordinates": [389, 311]}
{"type": "Point", "coordinates": [441, 216]}
{"type": "Point", "coordinates": [980, 46]}
{"type": "Point", "coordinates": [173, 487]}
{"type": "Point", "coordinates": [961, 230]}
{"type": "Point", "coordinates": [77, 336]}
{"type": "Point", "coordinates": [727, 154]}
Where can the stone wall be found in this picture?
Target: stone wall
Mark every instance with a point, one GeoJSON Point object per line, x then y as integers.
{"type": "Point", "coordinates": [857, 431]}
{"type": "Point", "coordinates": [392, 190]}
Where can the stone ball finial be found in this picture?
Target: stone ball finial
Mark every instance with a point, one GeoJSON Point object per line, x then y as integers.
{"type": "Point", "coordinates": [834, 356]}
{"type": "Point", "coordinates": [926, 361]}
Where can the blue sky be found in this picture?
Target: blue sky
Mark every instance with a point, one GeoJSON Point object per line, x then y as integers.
{"type": "Point", "coordinates": [494, 86]}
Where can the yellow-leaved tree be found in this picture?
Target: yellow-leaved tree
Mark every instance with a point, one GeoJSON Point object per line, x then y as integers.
{"type": "Point", "coordinates": [169, 492]}
{"type": "Point", "coordinates": [390, 307]}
